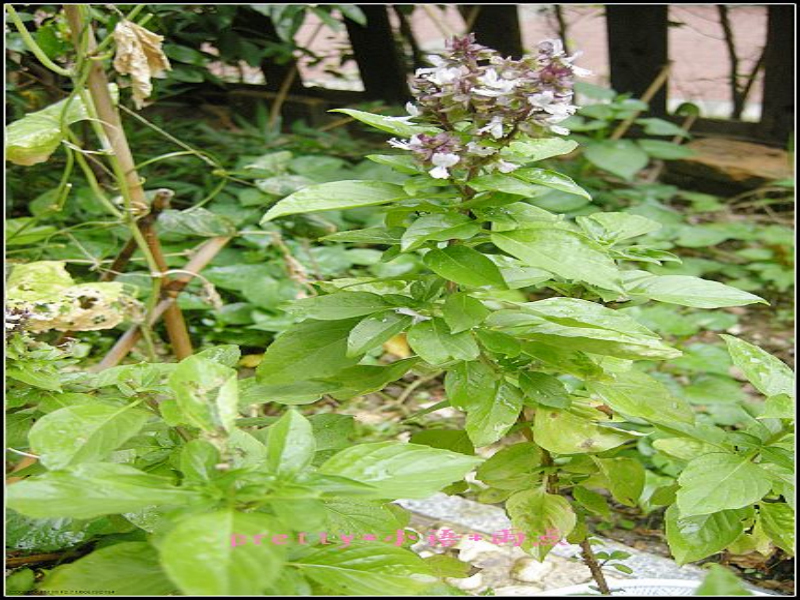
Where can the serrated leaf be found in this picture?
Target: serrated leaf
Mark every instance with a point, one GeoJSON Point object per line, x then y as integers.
{"type": "Point", "coordinates": [462, 312]}
{"type": "Point", "coordinates": [697, 537]}
{"type": "Point", "coordinates": [290, 445]}
{"type": "Point", "coordinates": [551, 179]}
{"type": "Point", "coordinates": [686, 290]}
{"type": "Point", "coordinates": [490, 417]}
{"type": "Point", "coordinates": [544, 389]}
{"type": "Point", "coordinates": [399, 470]}
{"type": "Point", "coordinates": [201, 556]}
{"type": "Point", "coordinates": [339, 305]}
{"type": "Point", "coordinates": [434, 342]}
{"type": "Point", "coordinates": [537, 513]}
{"type": "Point", "coordinates": [207, 393]}
{"type": "Point", "coordinates": [313, 349]}
{"type": "Point", "coordinates": [637, 394]}
{"type": "Point", "coordinates": [465, 266]}
{"type": "Point", "coordinates": [564, 253]}
{"type": "Point", "coordinates": [128, 568]}
{"type": "Point", "coordinates": [388, 124]}
{"type": "Point", "coordinates": [336, 195]}
{"type": "Point", "coordinates": [540, 149]}
{"type": "Point", "coordinates": [562, 432]}
{"type": "Point", "coordinates": [85, 433]}
{"type": "Point", "coordinates": [619, 157]}
{"type": "Point", "coordinates": [92, 490]}
{"type": "Point", "coordinates": [625, 478]}
{"type": "Point", "coordinates": [720, 481]}
{"type": "Point", "coordinates": [777, 519]}
{"type": "Point", "coordinates": [374, 330]}
{"type": "Point", "coordinates": [364, 569]}
{"type": "Point", "coordinates": [515, 467]}
{"type": "Point", "coordinates": [768, 374]}
{"type": "Point", "coordinates": [581, 325]}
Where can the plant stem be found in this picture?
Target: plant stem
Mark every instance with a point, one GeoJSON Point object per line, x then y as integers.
{"type": "Point", "coordinates": [33, 46]}
{"type": "Point", "coordinates": [590, 560]}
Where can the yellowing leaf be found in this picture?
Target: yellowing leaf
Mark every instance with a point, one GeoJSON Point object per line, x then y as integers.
{"type": "Point", "coordinates": [139, 55]}
{"type": "Point", "coordinates": [398, 346]}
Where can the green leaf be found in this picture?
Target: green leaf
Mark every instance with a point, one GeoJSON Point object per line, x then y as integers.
{"type": "Point", "coordinates": [194, 222]}
{"type": "Point", "coordinates": [623, 158]}
{"type": "Point", "coordinates": [365, 379]}
{"type": "Point", "coordinates": [216, 554]}
{"type": "Point", "coordinates": [462, 312]}
{"type": "Point", "coordinates": [499, 342]}
{"type": "Point", "coordinates": [206, 393]}
{"type": "Point", "coordinates": [625, 478]}
{"type": "Point", "coordinates": [653, 126]}
{"type": "Point", "coordinates": [686, 290]}
{"type": "Point", "coordinates": [507, 184]}
{"type": "Point", "coordinates": [721, 582]}
{"type": "Point", "coordinates": [465, 266]}
{"type": "Point", "coordinates": [540, 149]}
{"type": "Point", "coordinates": [370, 235]}
{"type": "Point", "coordinates": [720, 481]}
{"type": "Point", "coordinates": [637, 394]}
{"type": "Point", "coordinates": [290, 445]}
{"type": "Point", "coordinates": [551, 179]}
{"type": "Point", "coordinates": [85, 433]}
{"type": "Point", "coordinates": [490, 418]}
{"type": "Point", "coordinates": [364, 569]}
{"type": "Point", "coordinates": [562, 432]}
{"type": "Point", "coordinates": [34, 137]}
{"type": "Point", "coordinates": [515, 467]}
{"type": "Point", "coordinates": [456, 440]}
{"type": "Point", "coordinates": [612, 227]}
{"type": "Point", "coordinates": [537, 513]}
{"type": "Point", "coordinates": [564, 253]}
{"type": "Point", "coordinates": [92, 490]}
{"type": "Point", "coordinates": [470, 383]}
{"type": "Point", "coordinates": [400, 470]}
{"type": "Point", "coordinates": [581, 325]}
{"type": "Point", "coordinates": [127, 569]}
{"type": "Point", "coordinates": [351, 517]}
{"type": "Point", "coordinates": [438, 227]}
{"type": "Point", "coordinates": [388, 124]}
{"type": "Point", "coordinates": [336, 195]}
{"type": "Point", "coordinates": [768, 374]}
{"type": "Point", "coordinates": [434, 342]}
{"type": "Point", "coordinates": [665, 150]}
{"type": "Point", "coordinates": [374, 330]}
{"type": "Point", "coordinates": [777, 519]}
{"type": "Point", "coordinates": [781, 406]}
{"type": "Point", "coordinates": [591, 501]}
{"type": "Point", "coordinates": [697, 537]}
{"type": "Point", "coordinates": [309, 350]}
{"type": "Point", "coordinates": [544, 389]}
{"type": "Point", "coordinates": [338, 306]}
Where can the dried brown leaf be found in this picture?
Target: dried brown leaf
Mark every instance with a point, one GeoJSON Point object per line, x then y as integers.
{"type": "Point", "coordinates": [139, 55]}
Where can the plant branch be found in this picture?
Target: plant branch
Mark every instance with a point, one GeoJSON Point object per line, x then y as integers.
{"type": "Point", "coordinates": [590, 560]}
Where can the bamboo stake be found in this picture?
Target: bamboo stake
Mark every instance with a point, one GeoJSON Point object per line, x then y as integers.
{"type": "Point", "coordinates": [204, 255]}
{"type": "Point", "coordinates": [651, 91]}
{"type": "Point", "coordinates": [125, 170]}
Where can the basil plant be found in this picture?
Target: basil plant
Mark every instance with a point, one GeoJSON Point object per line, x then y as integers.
{"type": "Point", "coordinates": [163, 472]}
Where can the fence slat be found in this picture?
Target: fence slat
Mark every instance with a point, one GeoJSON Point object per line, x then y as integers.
{"type": "Point", "coordinates": [637, 50]}
{"type": "Point", "coordinates": [777, 111]}
{"type": "Point", "coordinates": [379, 62]}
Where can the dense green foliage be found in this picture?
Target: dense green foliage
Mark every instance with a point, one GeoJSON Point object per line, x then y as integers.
{"type": "Point", "coordinates": [562, 312]}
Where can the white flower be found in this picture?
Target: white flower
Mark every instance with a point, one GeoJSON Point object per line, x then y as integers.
{"type": "Point", "coordinates": [440, 75]}
{"type": "Point", "coordinates": [553, 47]}
{"type": "Point", "coordinates": [495, 127]}
{"type": "Point", "coordinates": [559, 130]}
{"type": "Point", "coordinates": [506, 167]}
{"type": "Point", "coordinates": [411, 144]}
{"type": "Point", "coordinates": [480, 150]}
{"type": "Point", "coordinates": [580, 71]}
{"type": "Point", "coordinates": [443, 160]}
{"type": "Point", "coordinates": [412, 109]}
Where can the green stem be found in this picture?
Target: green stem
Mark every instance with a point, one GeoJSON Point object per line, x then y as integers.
{"type": "Point", "coordinates": [33, 46]}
